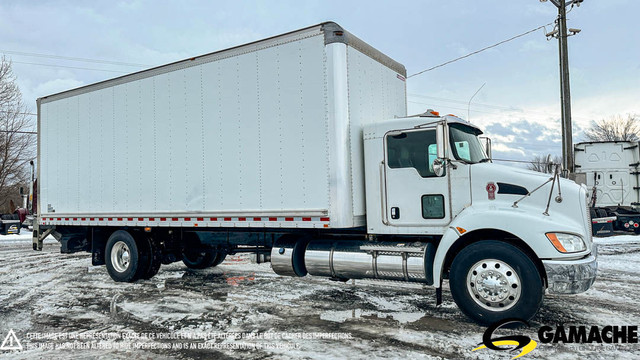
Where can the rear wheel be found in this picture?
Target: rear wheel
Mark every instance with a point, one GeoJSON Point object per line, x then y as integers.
{"type": "Point", "coordinates": [492, 280]}
{"type": "Point", "coordinates": [198, 256]}
{"type": "Point", "coordinates": [122, 257]}
{"type": "Point", "coordinates": [202, 258]}
{"type": "Point", "coordinates": [153, 257]}
{"type": "Point", "coordinates": [219, 259]}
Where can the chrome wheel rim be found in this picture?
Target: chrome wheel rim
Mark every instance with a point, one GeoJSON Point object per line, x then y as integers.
{"type": "Point", "coordinates": [120, 256]}
{"type": "Point", "coordinates": [494, 285]}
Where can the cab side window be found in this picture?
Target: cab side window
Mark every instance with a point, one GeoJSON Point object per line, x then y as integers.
{"type": "Point", "coordinates": [413, 149]}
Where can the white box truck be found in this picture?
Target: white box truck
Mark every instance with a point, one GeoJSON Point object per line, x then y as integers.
{"type": "Point", "coordinates": [611, 169]}
{"type": "Point", "coordinates": [298, 148]}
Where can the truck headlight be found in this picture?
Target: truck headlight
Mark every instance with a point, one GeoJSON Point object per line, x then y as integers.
{"type": "Point", "coordinates": [566, 243]}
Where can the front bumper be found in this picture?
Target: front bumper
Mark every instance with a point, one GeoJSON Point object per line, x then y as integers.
{"type": "Point", "coordinates": [571, 276]}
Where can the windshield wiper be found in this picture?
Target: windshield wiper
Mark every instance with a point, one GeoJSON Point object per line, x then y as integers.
{"type": "Point", "coordinates": [484, 160]}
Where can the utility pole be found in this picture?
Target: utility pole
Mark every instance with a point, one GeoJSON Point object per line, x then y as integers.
{"type": "Point", "coordinates": [565, 93]}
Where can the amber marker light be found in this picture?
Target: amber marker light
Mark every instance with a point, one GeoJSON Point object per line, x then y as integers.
{"type": "Point", "coordinates": [554, 240]}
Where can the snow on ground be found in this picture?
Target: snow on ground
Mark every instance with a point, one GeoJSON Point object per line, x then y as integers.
{"type": "Point", "coordinates": [244, 304]}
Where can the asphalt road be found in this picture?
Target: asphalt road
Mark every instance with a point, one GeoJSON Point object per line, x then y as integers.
{"type": "Point", "coordinates": [59, 306]}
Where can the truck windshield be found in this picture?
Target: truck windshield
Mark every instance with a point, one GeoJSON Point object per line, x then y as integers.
{"type": "Point", "coordinates": [465, 144]}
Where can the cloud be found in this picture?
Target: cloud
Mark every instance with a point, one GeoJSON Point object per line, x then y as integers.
{"type": "Point", "coordinates": [534, 46]}
{"type": "Point", "coordinates": [520, 134]}
{"type": "Point", "coordinates": [458, 48]}
{"type": "Point", "coordinates": [55, 86]}
{"type": "Point", "coordinates": [522, 139]}
{"type": "Point", "coordinates": [521, 76]}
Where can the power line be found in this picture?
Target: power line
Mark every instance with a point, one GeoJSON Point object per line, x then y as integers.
{"type": "Point", "coordinates": [51, 56]}
{"type": "Point", "coordinates": [481, 50]}
{"type": "Point", "coordinates": [68, 67]}
{"type": "Point", "coordinates": [499, 107]}
{"type": "Point", "coordinates": [459, 108]}
{"type": "Point", "coordinates": [496, 107]}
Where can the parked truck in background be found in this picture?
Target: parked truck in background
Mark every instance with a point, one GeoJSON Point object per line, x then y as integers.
{"type": "Point", "coordinates": [611, 169]}
{"type": "Point", "coordinates": [19, 216]}
{"type": "Point", "coordinates": [298, 148]}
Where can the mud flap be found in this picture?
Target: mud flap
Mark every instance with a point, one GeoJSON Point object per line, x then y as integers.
{"type": "Point", "coordinates": [602, 226]}
{"type": "Point", "coordinates": [73, 243]}
{"type": "Point", "coordinates": [429, 256]}
{"type": "Point", "coordinates": [97, 251]}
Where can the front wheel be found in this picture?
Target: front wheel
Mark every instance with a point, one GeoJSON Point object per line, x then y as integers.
{"type": "Point", "coordinates": [492, 280]}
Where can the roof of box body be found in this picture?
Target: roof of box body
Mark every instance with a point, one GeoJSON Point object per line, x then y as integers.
{"type": "Point", "coordinates": [333, 33]}
{"type": "Point", "coordinates": [606, 142]}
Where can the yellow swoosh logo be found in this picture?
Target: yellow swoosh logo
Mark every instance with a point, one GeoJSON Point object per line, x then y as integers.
{"type": "Point", "coordinates": [525, 350]}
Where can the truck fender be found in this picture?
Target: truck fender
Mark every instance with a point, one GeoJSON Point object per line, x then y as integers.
{"type": "Point", "coordinates": [517, 223]}
{"type": "Point", "coordinates": [448, 239]}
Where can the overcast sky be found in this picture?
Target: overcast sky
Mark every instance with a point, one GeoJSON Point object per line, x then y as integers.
{"type": "Point", "coordinates": [519, 106]}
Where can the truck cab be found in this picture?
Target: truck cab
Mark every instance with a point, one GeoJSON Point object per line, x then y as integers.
{"type": "Point", "coordinates": [494, 225]}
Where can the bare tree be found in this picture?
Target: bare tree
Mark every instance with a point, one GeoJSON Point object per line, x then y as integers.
{"type": "Point", "coordinates": [615, 128]}
{"type": "Point", "coordinates": [544, 163]}
{"type": "Point", "coordinates": [16, 147]}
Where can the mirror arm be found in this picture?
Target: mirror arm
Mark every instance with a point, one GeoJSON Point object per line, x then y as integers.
{"type": "Point", "coordinates": [451, 163]}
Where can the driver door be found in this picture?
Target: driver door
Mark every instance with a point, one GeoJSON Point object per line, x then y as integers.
{"type": "Point", "coordinates": [415, 196]}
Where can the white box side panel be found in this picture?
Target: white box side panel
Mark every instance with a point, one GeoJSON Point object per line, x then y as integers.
{"type": "Point", "coordinates": [244, 133]}
{"type": "Point", "coordinates": [90, 153]}
{"type": "Point", "coordinates": [120, 147]}
{"type": "Point", "coordinates": [376, 93]}
{"type": "Point", "coordinates": [144, 191]}
{"type": "Point", "coordinates": [338, 126]}
{"type": "Point", "coordinates": [107, 160]}
{"type": "Point", "coordinates": [62, 154]}
{"type": "Point", "coordinates": [192, 167]}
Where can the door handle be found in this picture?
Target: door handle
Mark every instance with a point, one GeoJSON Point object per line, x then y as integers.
{"type": "Point", "coordinates": [383, 195]}
{"type": "Point", "coordinates": [395, 213]}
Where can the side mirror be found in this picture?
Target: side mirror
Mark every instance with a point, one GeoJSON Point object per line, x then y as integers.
{"type": "Point", "coordinates": [441, 140]}
{"type": "Point", "coordinates": [438, 167]}
{"type": "Point", "coordinates": [487, 146]}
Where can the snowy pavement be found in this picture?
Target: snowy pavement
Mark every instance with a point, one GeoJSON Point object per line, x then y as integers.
{"type": "Point", "coordinates": [59, 306]}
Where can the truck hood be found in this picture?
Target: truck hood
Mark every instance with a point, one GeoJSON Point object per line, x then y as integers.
{"type": "Point", "coordinates": [510, 184]}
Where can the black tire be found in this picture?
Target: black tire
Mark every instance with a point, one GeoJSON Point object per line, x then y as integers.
{"type": "Point", "coordinates": [197, 256]}
{"type": "Point", "coordinates": [480, 255]}
{"type": "Point", "coordinates": [200, 258]}
{"type": "Point", "coordinates": [121, 241]}
{"type": "Point", "coordinates": [219, 259]}
{"type": "Point", "coordinates": [601, 213]}
{"type": "Point", "coordinates": [153, 257]}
